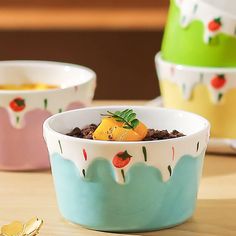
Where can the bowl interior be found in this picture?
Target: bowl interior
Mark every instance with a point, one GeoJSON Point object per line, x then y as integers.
{"type": "Point", "coordinates": [53, 73]}
{"type": "Point", "coordinates": [157, 118]}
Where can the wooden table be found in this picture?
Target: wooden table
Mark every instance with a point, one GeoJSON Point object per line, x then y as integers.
{"type": "Point", "coordinates": [27, 194]}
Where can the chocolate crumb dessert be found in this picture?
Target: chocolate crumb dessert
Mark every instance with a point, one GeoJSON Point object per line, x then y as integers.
{"type": "Point", "coordinates": [122, 126]}
{"type": "Point", "coordinates": [86, 132]}
{"type": "Point", "coordinates": [152, 134]}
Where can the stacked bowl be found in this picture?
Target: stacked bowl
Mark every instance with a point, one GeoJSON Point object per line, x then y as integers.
{"type": "Point", "coordinates": [197, 64]}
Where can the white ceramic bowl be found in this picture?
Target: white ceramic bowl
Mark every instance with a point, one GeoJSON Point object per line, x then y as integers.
{"type": "Point", "coordinates": [156, 188]}
{"type": "Point", "coordinates": [22, 112]}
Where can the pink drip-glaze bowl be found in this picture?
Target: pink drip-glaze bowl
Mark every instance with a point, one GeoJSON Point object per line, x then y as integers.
{"type": "Point", "coordinates": [21, 141]}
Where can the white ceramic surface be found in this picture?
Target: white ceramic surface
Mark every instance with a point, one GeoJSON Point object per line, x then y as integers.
{"type": "Point", "coordinates": [208, 11]}
{"type": "Point", "coordinates": [187, 77]}
{"type": "Point", "coordinates": [166, 152]}
{"type": "Point", "coordinates": [76, 84]}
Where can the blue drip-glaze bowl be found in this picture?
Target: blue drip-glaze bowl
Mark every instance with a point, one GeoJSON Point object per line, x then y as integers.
{"type": "Point", "coordinates": [158, 188]}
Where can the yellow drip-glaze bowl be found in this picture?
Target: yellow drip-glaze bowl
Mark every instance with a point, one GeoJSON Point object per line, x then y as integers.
{"type": "Point", "coordinates": [210, 92]}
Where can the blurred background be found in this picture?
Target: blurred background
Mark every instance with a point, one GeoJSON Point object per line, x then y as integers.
{"type": "Point", "coordinates": [116, 38]}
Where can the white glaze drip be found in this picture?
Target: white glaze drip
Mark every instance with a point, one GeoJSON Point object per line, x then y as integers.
{"type": "Point", "coordinates": [191, 10]}
{"type": "Point", "coordinates": [187, 79]}
{"type": "Point", "coordinates": [168, 154]}
{"type": "Point", "coordinates": [56, 101]}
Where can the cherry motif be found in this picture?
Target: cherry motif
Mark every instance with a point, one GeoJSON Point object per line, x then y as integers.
{"type": "Point", "coordinates": [218, 81]}
{"type": "Point", "coordinates": [215, 24]}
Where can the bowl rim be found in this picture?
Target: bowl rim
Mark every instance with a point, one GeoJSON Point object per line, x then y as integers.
{"type": "Point", "coordinates": [181, 67]}
{"type": "Point", "coordinates": [41, 63]}
{"type": "Point", "coordinates": [47, 128]}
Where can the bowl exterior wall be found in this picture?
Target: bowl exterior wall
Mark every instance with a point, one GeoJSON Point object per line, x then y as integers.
{"type": "Point", "coordinates": [186, 45]}
{"type": "Point", "coordinates": [145, 202]}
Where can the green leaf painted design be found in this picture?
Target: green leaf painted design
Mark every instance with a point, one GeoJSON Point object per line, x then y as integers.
{"type": "Point", "coordinates": [60, 110]}
{"type": "Point", "coordinates": [45, 101]}
{"type": "Point", "coordinates": [128, 117]}
{"type": "Point", "coordinates": [195, 7]}
{"type": "Point", "coordinates": [59, 142]}
{"type": "Point", "coordinates": [183, 19]}
{"type": "Point", "coordinates": [201, 77]}
{"type": "Point", "coordinates": [76, 88]}
{"type": "Point", "coordinates": [222, 76]}
{"type": "Point", "coordinates": [170, 170]}
{"type": "Point", "coordinates": [197, 146]}
{"type": "Point", "coordinates": [83, 172]}
{"type": "Point", "coordinates": [220, 95]}
{"type": "Point", "coordinates": [218, 20]}
{"type": "Point", "coordinates": [20, 102]}
{"type": "Point", "coordinates": [17, 120]}
{"type": "Point", "coordinates": [123, 174]}
{"type": "Point", "coordinates": [124, 155]}
{"type": "Point", "coordinates": [144, 153]}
